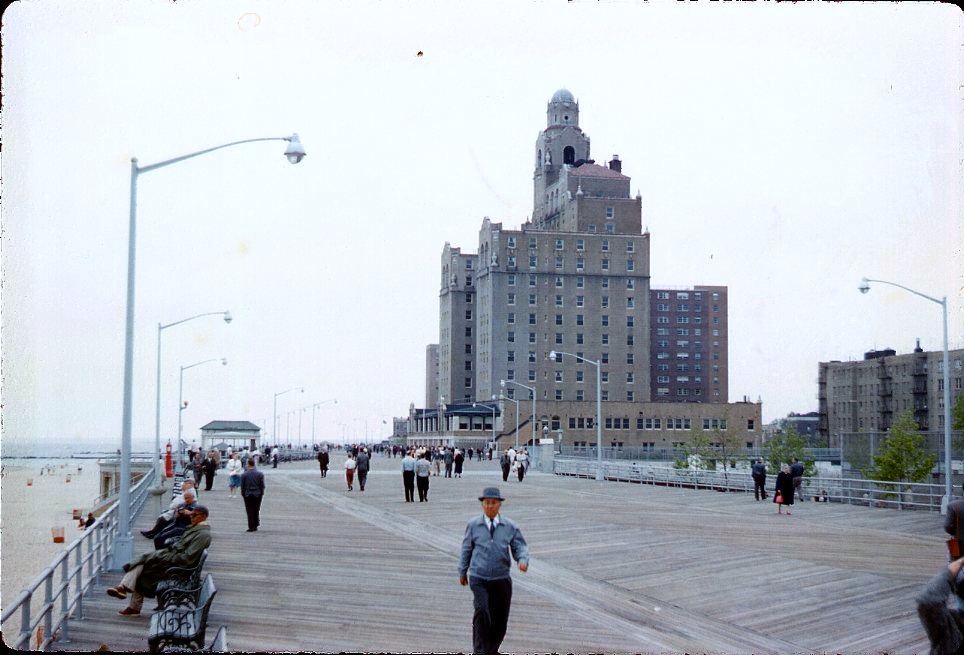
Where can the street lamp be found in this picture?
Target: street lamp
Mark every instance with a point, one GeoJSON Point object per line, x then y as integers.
{"type": "Point", "coordinates": [274, 420]}
{"type": "Point", "coordinates": [493, 416]}
{"type": "Point", "coordinates": [502, 383]}
{"type": "Point", "coordinates": [313, 408]}
{"type": "Point", "coordinates": [157, 402]}
{"type": "Point", "coordinates": [864, 287]}
{"type": "Point", "coordinates": [599, 471]}
{"type": "Point", "coordinates": [123, 549]}
{"type": "Point", "coordinates": [516, 430]}
{"type": "Point", "coordinates": [181, 405]}
{"type": "Point", "coordinates": [441, 415]}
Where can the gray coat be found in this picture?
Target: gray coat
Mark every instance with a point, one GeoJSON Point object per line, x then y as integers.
{"type": "Point", "coordinates": [185, 553]}
{"type": "Point", "coordinates": [944, 626]}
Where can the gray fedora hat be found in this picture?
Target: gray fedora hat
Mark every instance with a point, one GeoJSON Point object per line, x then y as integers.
{"type": "Point", "coordinates": [491, 492]}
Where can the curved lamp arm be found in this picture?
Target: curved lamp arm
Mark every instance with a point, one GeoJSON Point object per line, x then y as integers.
{"type": "Point", "coordinates": [295, 152]}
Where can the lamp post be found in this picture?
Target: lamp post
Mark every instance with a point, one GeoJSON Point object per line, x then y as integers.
{"type": "Point", "coordinates": [123, 549]}
{"type": "Point", "coordinates": [599, 471]}
{"type": "Point", "coordinates": [181, 405]}
{"type": "Point", "coordinates": [441, 415]}
{"type": "Point", "coordinates": [313, 408]}
{"type": "Point", "coordinates": [516, 430]}
{"type": "Point", "coordinates": [864, 287]}
{"type": "Point", "coordinates": [493, 408]}
{"type": "Point", "coordinates": [274, 420]}
{"type": "Point", "coordinates": [502, 383]}
{"type": "Point", "coordinates": [157, 401]}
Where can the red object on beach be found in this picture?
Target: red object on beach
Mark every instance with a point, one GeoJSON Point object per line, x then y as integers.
{"type": "Point", "coordinates": [168, 463]}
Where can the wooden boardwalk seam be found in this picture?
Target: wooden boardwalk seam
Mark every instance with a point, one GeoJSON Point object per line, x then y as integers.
{"type": "Point", "coordinates": [615, 568]}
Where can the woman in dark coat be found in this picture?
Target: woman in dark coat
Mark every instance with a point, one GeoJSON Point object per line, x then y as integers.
{"type": "Point", "coordinates": [323, 460]}
{"type": "Point", "coordinates": [783, 489]}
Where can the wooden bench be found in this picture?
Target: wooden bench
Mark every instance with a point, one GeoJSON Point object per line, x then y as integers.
{"type": "Point", "coordinates": [182, 627]}
{"type": "Point", "coordinates": [182, 578]}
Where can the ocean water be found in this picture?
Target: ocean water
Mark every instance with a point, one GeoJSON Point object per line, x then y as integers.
{"type": "Point", "coordinates": [28, 512]}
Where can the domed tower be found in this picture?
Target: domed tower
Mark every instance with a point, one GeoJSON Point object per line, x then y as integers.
{"type": "Point", "coordinates": [562, 143]}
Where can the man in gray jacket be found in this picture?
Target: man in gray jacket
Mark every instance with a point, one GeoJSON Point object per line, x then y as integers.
{"type": "Point", "coordinates": [485, 559]}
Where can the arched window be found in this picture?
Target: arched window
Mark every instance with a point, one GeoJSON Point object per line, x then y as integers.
{"type": "Point", "coordinates": [569, 155]}
{"type": "Point", "coordinates": [539, 158]}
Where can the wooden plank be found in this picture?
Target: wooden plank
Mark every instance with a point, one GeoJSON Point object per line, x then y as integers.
{"type": "Point", "coordinates": [616, 567]}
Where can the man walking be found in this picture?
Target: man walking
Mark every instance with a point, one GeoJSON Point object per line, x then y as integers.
{"type": "Point", "coordinates": [422, 471]}
{"type": "Point", "coordinates": [506, 463]}
{"type": "Point", "coordinates": [323, 461]}
{"type": "Point", "coordinates": [362, 464]}
{"type": "Point", "coordinates": [759, 473]}
{"type": "Point", "coordinates": [408, 477]}
{"type": "Point", "coordinates": [252, 491]}
{"type": "Point", "coordinates": [448, 458]}
{"type": "Point", "coordinates": [796, 472]}
{"type": "Point", "coordinates": [485, 565]}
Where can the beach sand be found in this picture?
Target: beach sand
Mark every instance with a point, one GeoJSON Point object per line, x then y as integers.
{"type": "Point", "coordinates": [27, 515]}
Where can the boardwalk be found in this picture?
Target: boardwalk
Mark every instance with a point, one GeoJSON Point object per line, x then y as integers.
{"type": "Point", "coordinates": [615, 568]}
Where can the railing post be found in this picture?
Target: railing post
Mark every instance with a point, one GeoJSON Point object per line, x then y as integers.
{"type": "Point", "coordinates": [65, 596]}
{"type": "Point", "coordinates": [24, 641]}
{"type": "Point", "coordinates": [48, 609]}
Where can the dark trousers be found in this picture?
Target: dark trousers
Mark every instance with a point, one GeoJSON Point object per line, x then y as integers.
{"type": "Point", "coordinates": [208, 480]}
{"type": "Point", "coordinates": [422, 488]}
{"type": "Point", "coordinates": [797, 491]}
{"type": "Point", "coordinates": [759, 487]}
{"type": "Point", "coordinates": [173, 530]}
{"type": "Point", "coordinates": [408, 479]}
{"type": "Point", "coordinates": [362, 478]}
{"type": "Point", "coordinates": [505, 472]}
{"type": "Point", "coordinates": [491, 601]}
{"type": "Point", "coordinates": [252, 506]}
{"type": "Point", "coordinates": [324, 471]}
{"type": "Point", "coordinates": [159, 525]}
{"type": "Point", "coordinates": [521, 470]}
{"type": "Point", "coordinates": [448, 469]}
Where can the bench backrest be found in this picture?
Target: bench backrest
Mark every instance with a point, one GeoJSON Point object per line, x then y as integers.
{"type": "Point", "coordinates": [220, 642]}
{"type": "Point", "coordinates": [208, 590]}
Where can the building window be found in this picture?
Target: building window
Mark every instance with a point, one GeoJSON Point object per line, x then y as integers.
{"type": "Point", "coordinates": [629, 377]}
{"type": "Point", "coordinates": [532, 280]}
{"type": "Point", "coordinates": [468, 365]}
{"type": "Point", "coordinates": [749, 424]}
{"type": "Point", "coordinates": [532, 319]}
{"type": "Point", "coordinates": [682, 295]}
{"type": "Point", "coordinates": [558, 301]}
{"type": "Point", "coordinates": [662, 379]}
{"type": "Point", "coordinates": [605, 264]}
{"type": "Point", "coordinates": [662, 295]}
{"type": "Point", "coordinates": [511, 242]}
{"type": "Point", "coordinates": [605, 245]}
{"type": "Point", "coordinates": [579, 339]}
{"type": "Point", "coordinates": [630, 303]}
{"type": "Point", "coordinates": [558, 338]}
{"type": "Point", "coordinates": [468, 280]}
{"type": "Point", "coordinates": [580, 244]}
{"type": "Point", "coordinates": [630, 246]}
{"type": "Point", "coordinates": [604, 396]}
{"type": "Point", "coordinates": [510, 375]}
{"type": "Point", "coordinates": [630, 283]}
{"type": "Point", "coordinates": [629, 396]}
{"type": "Point", "coordinates": [610, 228]}
{"type": "Point", "coordinates": [468, 331]}
{"type": "Point", "coordinates": [559, 282]}
{"type": "Point", "coordinates": [560, 261]}
{"type": "Point", "coordinates": [580, 263]}
{"type": "Point", "coordinates": [629, 321]}
{"type": "Point", "coordinates": [510, 318]}
{"type": "Point", "coordinates": [682, 307]}
{"type": "Point", "coordinates": [510, 336]}
{"type": "Point", "coordinates": [604, 282]}
{"type": "Point", "coordinates": [532, 337]}
{"type": "Point", "coordinates": [468, 349]}
{"type": "Point", "coordinates": [560, 244]}
{"type": "Point", "coordinates": [682, 319]}
{"type": "Point", "coordinates": [511, 299]}
{"type": "Point", "coordinates": [580, 301]}
{"type": "Point", "coordinates": [558, 376]}
{"type": "Point", "coordinates": [510, 262]}
{"type": "Point", "coordinates": [604, 339]}
{"type": "Point", "coordinates": [510, 279]}
{"type": "Point", "coordinates": [580, 394]}
{"type": "Point", "coordinates": [468, 314]}
{"type": "Point", "coordinates": [605, 320]}
{"type": "Point", "coordinates": [610, 212]}
{"type": "Point", "coordinates": [533, 261]}
{"type": "Point", "coordinates": [532, 243]}
{"type": "Point", "coordinates": [592, 228]}
{"type": "Point", "coordinates": [532, 299]}
{"type": "Point", "coordinates": [579, 376]}
{"type": "Point", "coordinates": [630, 264]}
{"type": "Point", "coordinates": [468, 383]}
{"type": "Point", "coordinates": [630, 340]}
{"type": "Point", "coordinates": [604, 358]}
{"type": "Point", "coordinates": [579, 319]}
{"type": "Point", "coordinates": [629, 358]}
{"type": "Point", "coordinates": [580, 282]}
{"type": "Point", "coordinates": [532, 375]}
{"type": "Point", "coordinates": [510, 356]}
{"type": "Point", "coordinates": [558, 319]}
{"type": "Point", "coordinates": [559, 394]}
{"type": "Point", "coordinates": [605, 376]}
{"type": "Point", "coordinates": [604, 302]}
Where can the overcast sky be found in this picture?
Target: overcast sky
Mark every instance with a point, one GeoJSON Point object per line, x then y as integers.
{"type": "Point", "coordinates": [784, 150]}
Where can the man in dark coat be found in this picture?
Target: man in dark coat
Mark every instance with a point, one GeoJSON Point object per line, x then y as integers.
{"type": "Point", "coordinates": [210, 467]}
{"type": "Point", "coordinates": [362, 464]}
{"type": "Point", "coordinates": [323, 461]}
{"type": "Point", "coordinates": [506, 462]}
{"type": "Point", "coordinates": [448, 458]}
{"type": "Point", "coordinates": [944, 626]}
{"type": "Point", "coordinates": [796, 472]}
{"type": "Point", "coordinates": [252, 491]}
{"type": "Point", "coordinates": [143, 573]}
{"type": "Point", "coordinates": [759, 472]}
{"type": "Point", "coordinates": [181, 520]}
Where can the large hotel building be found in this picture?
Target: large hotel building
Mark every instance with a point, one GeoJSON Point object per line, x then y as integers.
{"type": "Point", "coordinates": [575, 279]}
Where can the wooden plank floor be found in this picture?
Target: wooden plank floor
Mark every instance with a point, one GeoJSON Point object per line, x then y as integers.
{"type": "Point", "coordinates": [615, 568]}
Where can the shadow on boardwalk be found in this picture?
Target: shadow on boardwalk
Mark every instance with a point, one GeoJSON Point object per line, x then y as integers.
{"type": "Point", "coordinates": [615, 568]}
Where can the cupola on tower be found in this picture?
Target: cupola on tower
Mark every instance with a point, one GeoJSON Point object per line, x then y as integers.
{"type": "Point", "coordinates": [562, 143]}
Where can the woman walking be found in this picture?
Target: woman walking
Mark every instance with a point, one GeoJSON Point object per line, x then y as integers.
{"type": "Point", "coordinates": [234, 474]}
{"type": "Point", "coordinates": [350, 466]}
{"type": "Point", "coordinates": [783, 492]}
{"type": "Point", "coordinates": [323, 461]}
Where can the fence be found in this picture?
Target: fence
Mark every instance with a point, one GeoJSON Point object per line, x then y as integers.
{"type": "Point", "coordinates": [79, 566]}
{"type": "Point", "coordinates": [640, 453]}
{"type": "Point", "coordinates": [869, 493]}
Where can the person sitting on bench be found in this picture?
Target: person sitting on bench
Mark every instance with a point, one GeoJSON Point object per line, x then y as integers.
{"type": "Point", "coordinates": [166, 519]}
{"type": "Point", "coordinates": [143, 573]}
{"type": "Point", "coordinates": [181, 522]}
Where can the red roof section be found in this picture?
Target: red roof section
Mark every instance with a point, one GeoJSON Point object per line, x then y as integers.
{"type": "Point", "coordinates": [595, 170]}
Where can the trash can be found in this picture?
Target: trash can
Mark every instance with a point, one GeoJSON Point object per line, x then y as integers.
{"type": "Point", "coordinates": [58, 535]}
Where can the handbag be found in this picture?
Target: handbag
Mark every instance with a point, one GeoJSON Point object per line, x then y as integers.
{"type": "Point", "coordinates": [779, 499]}
{"type": "Point", "coordinates": [954, 544]}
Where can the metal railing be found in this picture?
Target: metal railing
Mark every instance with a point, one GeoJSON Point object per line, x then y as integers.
{"type": "Point", "coordinates": [66, 580]}
{"type": "Point", "coordinates": [869, 493]}
{"type": "Point", "coordinates": [670, 454]}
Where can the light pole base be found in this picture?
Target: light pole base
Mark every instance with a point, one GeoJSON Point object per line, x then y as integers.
{"type": "Point", "coordinates": [599, 475]}
{"type": "Point", "coordinates": [122, 552]}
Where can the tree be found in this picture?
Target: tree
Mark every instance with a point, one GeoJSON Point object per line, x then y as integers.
{"type": "Point", "coordinates": [784, 446]}
{"type": "Point", "coordinates": [902, 458]}
{"type": "Point", "coordinates": [957, 414]}
{"type": "Point", "coordinates": [697, 451]}
{"type": "Point", "coordinates": [726, 439]}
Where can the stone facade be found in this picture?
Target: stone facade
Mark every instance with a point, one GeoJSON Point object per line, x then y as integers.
{"type": "Point", "coordinates": [431, 375]}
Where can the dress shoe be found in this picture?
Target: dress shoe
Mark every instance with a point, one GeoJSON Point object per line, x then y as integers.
{"type": "Point", "coordinates": [128, 611]}
{"type": "Point", "coordinates": [148, 534]}
{"type": "Point", "coordinates": [120, 591]}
